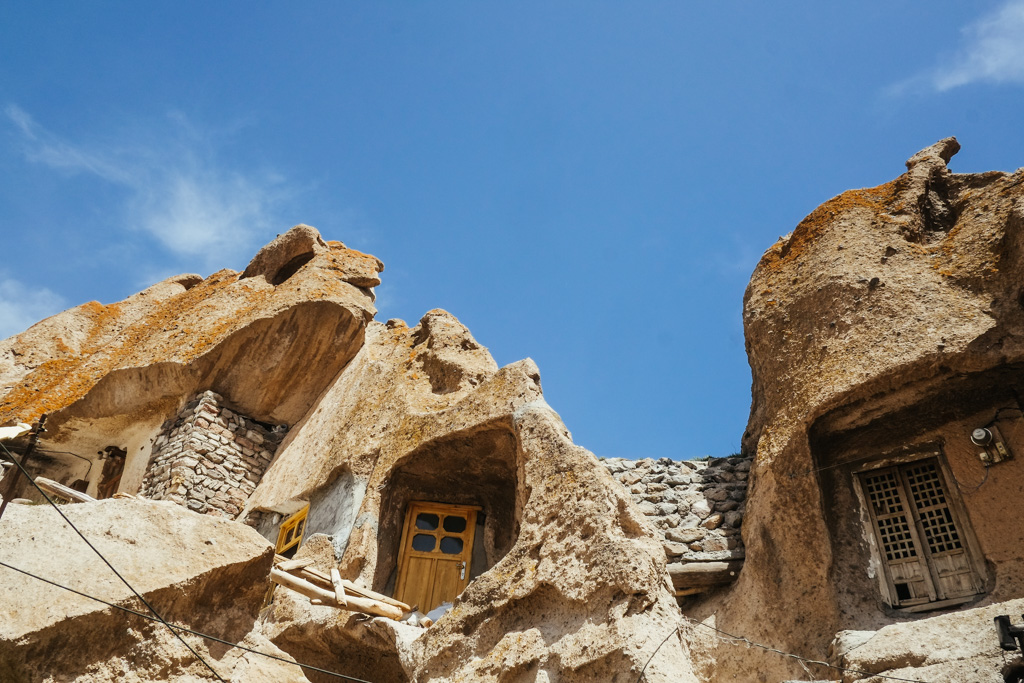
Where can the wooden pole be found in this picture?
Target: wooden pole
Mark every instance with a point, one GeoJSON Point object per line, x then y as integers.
{"type": "Point", "coordinates": [291, 565]}
{"type": "Point", "coordinates": [339, 589]}
{"type": "Point", "coordinates": [354, 604]}
{"type": "Point", "coordinates": [318, 578]}
{"type": "Point", "coordinates": [52, 487]}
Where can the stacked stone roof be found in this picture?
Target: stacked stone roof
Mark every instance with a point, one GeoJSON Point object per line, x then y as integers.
{"type": "Point", "coordinates": [696, 505]}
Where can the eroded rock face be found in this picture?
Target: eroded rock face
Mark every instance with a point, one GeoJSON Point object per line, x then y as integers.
{"type": "Point", "coordinates": [199, 572]}
{"type": "Point", "coordinates": [111, 375]}
{"type": "Point", "coordinates": [884, 329]}
{"type": "Point", "coordinates": [189, 331]}
{"type": "Point", "coordinates": [959, 646]}
{"type": "Point", "coordinates": [565, 580]}
{"type": "Point", "coordinates": [569, 584]}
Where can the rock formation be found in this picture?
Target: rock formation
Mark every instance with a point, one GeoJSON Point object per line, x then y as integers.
{"type": "Point", "coordinates": [197, 571]}
{"type": "Point", "coordinates": [572, 584]}
{"type": "Point", "coordinates": [868, 526]}
{"type": "Point", "coordinates": [882, 331]}
{"type": "Point", "coordinates": [184, 390]}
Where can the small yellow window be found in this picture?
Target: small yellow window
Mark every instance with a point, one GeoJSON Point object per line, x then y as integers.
{"type": "Point", "coordinates": [290, 535]}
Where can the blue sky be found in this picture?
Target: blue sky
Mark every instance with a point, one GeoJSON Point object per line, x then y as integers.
{"type": "Point", "coordinates": [589, 184]}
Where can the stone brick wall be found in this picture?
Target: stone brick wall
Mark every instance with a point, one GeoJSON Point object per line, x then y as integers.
{"type": "Point", "coordinates": [697, 505]}
{"type": "Point", "coordinates": [209, 458]}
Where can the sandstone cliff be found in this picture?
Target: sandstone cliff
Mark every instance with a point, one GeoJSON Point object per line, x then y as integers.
{"type": "Point", "coordinates": [886, 327]}
{"type": "Point", "coordinates": [189, 387]}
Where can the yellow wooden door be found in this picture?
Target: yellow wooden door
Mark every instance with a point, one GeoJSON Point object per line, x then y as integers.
{"type": "Point", "coordinates": [434, 558]}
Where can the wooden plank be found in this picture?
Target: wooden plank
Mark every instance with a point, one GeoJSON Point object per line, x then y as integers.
{"type": "Point", "coordinates": [306, 588]}
{"type": "Point", "coordinates": [339, 588]}
{"type": "Point", "coordinates": [292, 565]}
{"type": "Point", "coordinates": [50, 486]}
{"type": "Point", "coordinates": [317, 577]}
{"type": "Point", "coordinates": [696, 574]}
{"type": "Point", "coordinates": [353, 589]}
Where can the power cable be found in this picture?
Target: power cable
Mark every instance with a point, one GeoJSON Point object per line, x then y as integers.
{"type": "Point", "coordinates": [107, 562]}
{"type": "Point", "coordinates": [971, 489]}
{"type": "Point", "coordinates": [736, 640]}
{"type": "Point", "coordinates": [180, 628]}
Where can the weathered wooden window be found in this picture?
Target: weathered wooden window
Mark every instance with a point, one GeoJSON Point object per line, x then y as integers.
{"type": "Point", "coordinates": [434, 558]}
{"type": "Point", "coordinates": [920, 536]}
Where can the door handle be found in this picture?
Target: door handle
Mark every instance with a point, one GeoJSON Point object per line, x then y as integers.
{"type": "Point", "coordinates": [462, 571]}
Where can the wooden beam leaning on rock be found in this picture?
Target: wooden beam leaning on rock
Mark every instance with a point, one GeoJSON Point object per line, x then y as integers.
{"type": "Point", "coordinates": [318, 578]}
{"type": "Point", "coordinates": [326, 597]}
{"type": "Point", "coordinates": [339, 588]}
{"type": "Point", "coordinates": [53, 488]}
{"type": "Point", "coordinates": [286, 565]}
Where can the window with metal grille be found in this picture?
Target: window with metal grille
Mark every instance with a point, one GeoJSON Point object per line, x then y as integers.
{"type": "Point", "coordinates": [919, 536]}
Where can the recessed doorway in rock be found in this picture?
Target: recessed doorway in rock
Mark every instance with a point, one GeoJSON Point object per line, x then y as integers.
{"type": "Point", "coordinates": [476, 470]}
{"type": "Point", "coordinates": [436, 553]}
{"type": "Point", "coordinates": [113, 467]}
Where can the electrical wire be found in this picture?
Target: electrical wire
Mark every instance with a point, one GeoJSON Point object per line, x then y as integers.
{"type": "Point", "coordinates": [47, 451]}
{"type": "Point", "coordinates": [736, 640]}
{"type": "Point", "coordinates": [971, 489]}
{"type": "Point", "coordinates": [107, 562]}
{"type": "Point", "coordinates": [647, 663]}
{"type": "Point", "coordinates": [180, 628]}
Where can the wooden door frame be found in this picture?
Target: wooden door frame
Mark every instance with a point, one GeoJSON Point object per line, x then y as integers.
{"type": "Point", "coordinates": [412, 510]}
{"type": "Point", "coordinates": [956, 505]}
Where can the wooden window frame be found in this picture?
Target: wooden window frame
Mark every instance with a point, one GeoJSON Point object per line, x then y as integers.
{"type": "Point", "coordinates": [960, 519]}
{"type": "Point", "coordinates": [284, 543]}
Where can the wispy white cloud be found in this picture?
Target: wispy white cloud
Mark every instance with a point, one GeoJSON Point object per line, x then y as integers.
{"type": "Point", "coordinates": [21, 306]}
{"type": "Point", "coordinates": [991, 51]}
{"type": "Point", "coordinates": [178, 192]}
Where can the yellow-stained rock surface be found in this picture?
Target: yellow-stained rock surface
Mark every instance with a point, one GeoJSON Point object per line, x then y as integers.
{"type": "Point", "coordinates": [565, 581]}
{"type": "Point", "coordinates": [248, 338]}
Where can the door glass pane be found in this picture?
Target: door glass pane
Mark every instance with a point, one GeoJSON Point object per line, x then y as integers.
{"type": "Point", "coordinates": [451, 545]}
{"type": "Point", "coordinates": [454, 524]}
{"type": "Point", "coordinates": [426, 521]}
{"type": "Point", "coordinates": [423, 543]}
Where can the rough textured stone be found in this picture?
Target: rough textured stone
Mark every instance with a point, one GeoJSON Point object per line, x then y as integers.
{"type": "Point", "coordinates": [203, 462]}
{"type": "Point", "coordinates": [665, 489]}
{"type": "Point", "coordinates": [960, 646]}
{"type": "Point", "coordinates": [425, 414]}
{"type": "Point", "coordinates": [111, 375]}
{"type": "Point", "coordinates": [886, 313]}
{"type": "Point", "coordinates": [200, 572]}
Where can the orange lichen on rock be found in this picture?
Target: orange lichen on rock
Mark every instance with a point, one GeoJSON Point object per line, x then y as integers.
{"type": "Point", "coordinates": [181, 328]}
{"type": "Point", "coordinates": [63, 380]}
{"type": "Point", "coordinates": [880, 199]}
